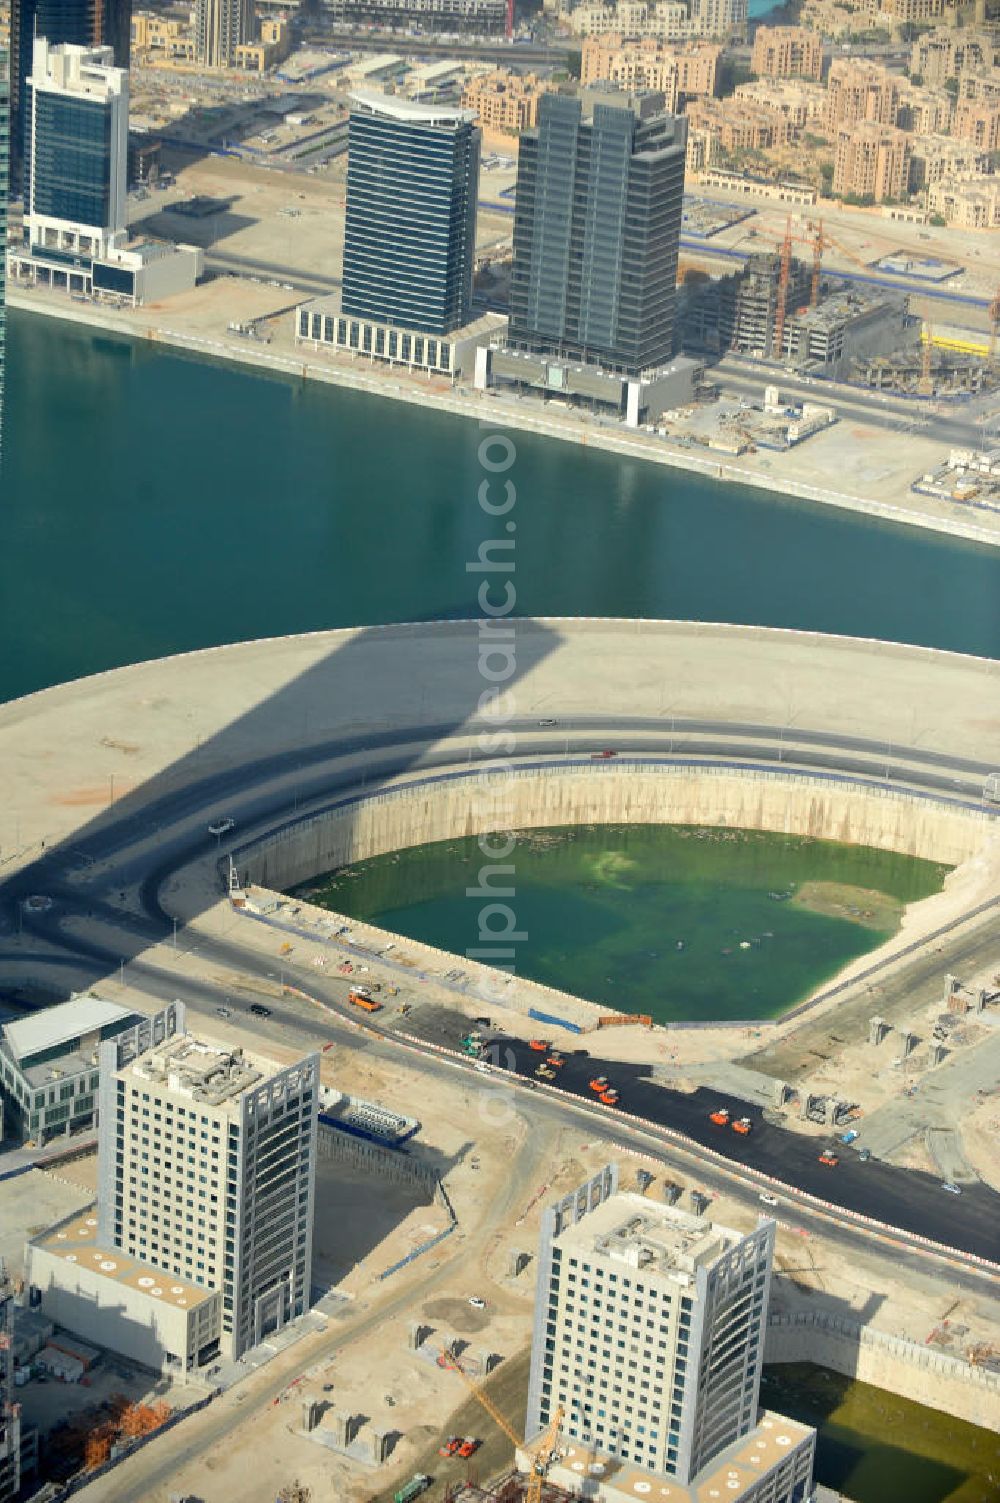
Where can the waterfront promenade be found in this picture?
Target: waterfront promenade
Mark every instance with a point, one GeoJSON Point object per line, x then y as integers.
{"type": "Point", "coordinates": [835, 469]}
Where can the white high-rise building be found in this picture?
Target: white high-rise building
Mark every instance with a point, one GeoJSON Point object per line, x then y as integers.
{"type": "Point", "coordinates": [649, 1334]}
{"type": "Point", "coordinates": [76, 153]}
{"type": "Point", "coordinates": [207, 1166]}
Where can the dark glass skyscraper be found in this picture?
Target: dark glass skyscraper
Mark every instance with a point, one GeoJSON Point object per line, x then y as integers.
{"type": "Point", "coordinates": [410, 232]}
{"type": "Point", "coordinates": [88, 23]}
{"type": "Point", "coordinates": [597, 223]}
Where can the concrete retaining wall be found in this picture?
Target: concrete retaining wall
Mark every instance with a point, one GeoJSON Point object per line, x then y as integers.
{"type": "Point", "coordinates": [902, 1367]}
{"type": "Point", "coordinates": [447, 808]}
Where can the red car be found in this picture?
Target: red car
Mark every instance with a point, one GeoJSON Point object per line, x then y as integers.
{"type": "Point", "coordinates": [468, 1448]}
{"type": "Point", "coordinates": [450, 1446]}
{"type": "Point", "coordinates": [602, 756]}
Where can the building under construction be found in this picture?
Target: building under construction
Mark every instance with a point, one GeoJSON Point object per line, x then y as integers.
{"type": "Point", "coordinates": [510, 1488]}
{"type": "Point", "coordinates": [776, 308]}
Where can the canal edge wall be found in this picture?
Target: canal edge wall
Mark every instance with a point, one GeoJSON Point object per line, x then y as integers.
{"type": "Point", "coordinates": [461, 805]}
{"type": "Point", "coordinates": [938, 1379]}
{"type": "Point", "coordinates": [506, 416]}
{"type": "Point", "coordinates": [370, 825]}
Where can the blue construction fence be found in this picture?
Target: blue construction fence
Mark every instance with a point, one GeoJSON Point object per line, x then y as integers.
{"type": "Point", "coordinates": [550, 1017]}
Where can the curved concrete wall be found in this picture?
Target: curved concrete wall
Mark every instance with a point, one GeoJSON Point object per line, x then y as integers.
{"type": "Point", "coordinates": [618, 793]}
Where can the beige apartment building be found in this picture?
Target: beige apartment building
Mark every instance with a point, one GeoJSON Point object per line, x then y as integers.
{"type": "Point", "coordinates": [924, 111]}
{"type": "Point", "coordinates": [787, 52]}
{"type": "Point", "coordinates": [945, 53]}
{"type": "Point", "coordinates": [972, 203]}
{"type": "Point", "coordinates": [936, 159]}
{"type": "Point", "coordinates": [661, 20]}
{"type": "Point", "coordinates": [686, 70]}
{"type": "Point", "coordinates": [978, 123]}
{"type": "Point", "coordinates": [802, 104]}
{"type": "Point", "coordinates": [271, 48]}
{"type": "Point", "coordinates": [737, 125]}
{"type": "Point", "coordinates": [860, 91]}
{"type": "Point", "coordinates": [871, 160]}
{"type": "Point", "coordinates": [505, 101]}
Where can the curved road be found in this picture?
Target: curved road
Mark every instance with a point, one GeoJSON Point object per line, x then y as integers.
{"type": "Point", "coordinates": [107, 906]}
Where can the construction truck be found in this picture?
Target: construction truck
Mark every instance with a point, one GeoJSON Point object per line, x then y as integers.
{"type": "Point", "coordinates": [412, 1489]}
{"type": "Point", "coordinates": [720, 1116]}
{"type": "Point", "coordinates": [742, 1125]}
{"type": "Point", "coordinates": [362, 997]}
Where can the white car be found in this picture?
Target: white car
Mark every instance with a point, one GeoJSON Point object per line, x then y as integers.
{"type": "Point", "coordinates": [221, 827]}
{"type": "Point", "coordinates": [952, 1189]}
{"type": "Point", "coordinates": [476, 1302]}
{"type": "Point", "coordinates": [768, 1198]}
{"type": "Point", "coordinates": [482, 1067]}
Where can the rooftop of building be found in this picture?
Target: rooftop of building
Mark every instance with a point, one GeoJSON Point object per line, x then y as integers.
{"type": "Point", "coordinates": [729, 1476]}
{"type": "Point", "coordinates": [185, 1067]}
{"type": "Point", "coordinates": [639, 1234]}
{"type": "Point", "coordinates": [75, 1241]}
{"type": "Point", "coordinates": [62, 1024]}
{"type": "Point", "coordinates": [848, 303]}
{"type": "Point", "coordinates": [395, 108]}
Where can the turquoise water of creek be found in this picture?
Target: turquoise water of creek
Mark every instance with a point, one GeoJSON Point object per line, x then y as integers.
{"type": "Point", "coordinates": [154, 503]}
{"type": "Point", "coordinates": [678, 922]}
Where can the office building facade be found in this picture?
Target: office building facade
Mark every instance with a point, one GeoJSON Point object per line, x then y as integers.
{"type": "Point", "coordinates": [207, 1165]}
{"type": "Point", "coordinates": [49, 1063]}
{"type": "Point", "coordinates": [84, 23]}
{"type": "Point", "coordinates": [409, 237]}
{"type": "Point", "coordinates": [221, 27]}
{"type": "Point", "coordinates": [76, 140]}
{"type": "Point", "coordinates": [649, 1330]}
{"type": "Point", "coordinates": [597, 222]}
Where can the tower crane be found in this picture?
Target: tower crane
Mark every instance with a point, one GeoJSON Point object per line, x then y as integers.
{"type": "Point", "coordinates": [544, 1454]}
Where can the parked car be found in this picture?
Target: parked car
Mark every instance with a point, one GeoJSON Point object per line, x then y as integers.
{"type": "Point", "coordinates": [951, 1187]}
{"type": "Point", "coordinates": [221, 827]}
{"type": "Point", "coordinates": [768, 1198]}
{"type": "Point", "coordinates": [477, 1302]}
{"type": "Point", "coordinates": [224, 1012]}
{"type": "Point", "coordinates": [259, 1010]}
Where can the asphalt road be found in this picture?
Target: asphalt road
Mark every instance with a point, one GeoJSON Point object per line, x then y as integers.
{"type": "Point", "coordinates": [107, 909]}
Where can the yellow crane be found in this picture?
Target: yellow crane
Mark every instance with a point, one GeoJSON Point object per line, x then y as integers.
{"type": "Point", "coordinates": [543, 1455]}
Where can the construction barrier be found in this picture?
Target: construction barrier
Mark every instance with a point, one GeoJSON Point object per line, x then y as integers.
{"type": "Point", "coordinates": [618, 1020]}
{"type": "Point", "coordinates": [550, 1017]}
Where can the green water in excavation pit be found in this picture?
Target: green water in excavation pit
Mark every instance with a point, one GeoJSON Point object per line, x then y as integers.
{"type": "Point", "coordinates": [672, 920]}
{"type": "Point", "coordinates": [876, 1448]}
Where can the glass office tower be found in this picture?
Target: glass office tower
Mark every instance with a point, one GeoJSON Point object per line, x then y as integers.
{"type": "Point", "coordinates": [597, 224]}
{"type": "Point", "coordinates": [409, 239]}
{"type": "Point", "coordinates": [76, 132]}
{"type": "Point", "coordinates": [86, 23]}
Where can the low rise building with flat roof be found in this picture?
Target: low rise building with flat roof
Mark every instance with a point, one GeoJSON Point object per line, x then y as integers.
{"type": "Point", "coordinates": [49, 1067]}
{"type": "Point", "coordinates": [116, 1301]}
{"type": "Point", "coordinates": [322, 324]}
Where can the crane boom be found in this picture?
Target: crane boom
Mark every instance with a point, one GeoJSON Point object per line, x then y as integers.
{"type": "Point", "coordinates": [476, 1389]}
{"type": "Point", "coordinates": [545, 1451]}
